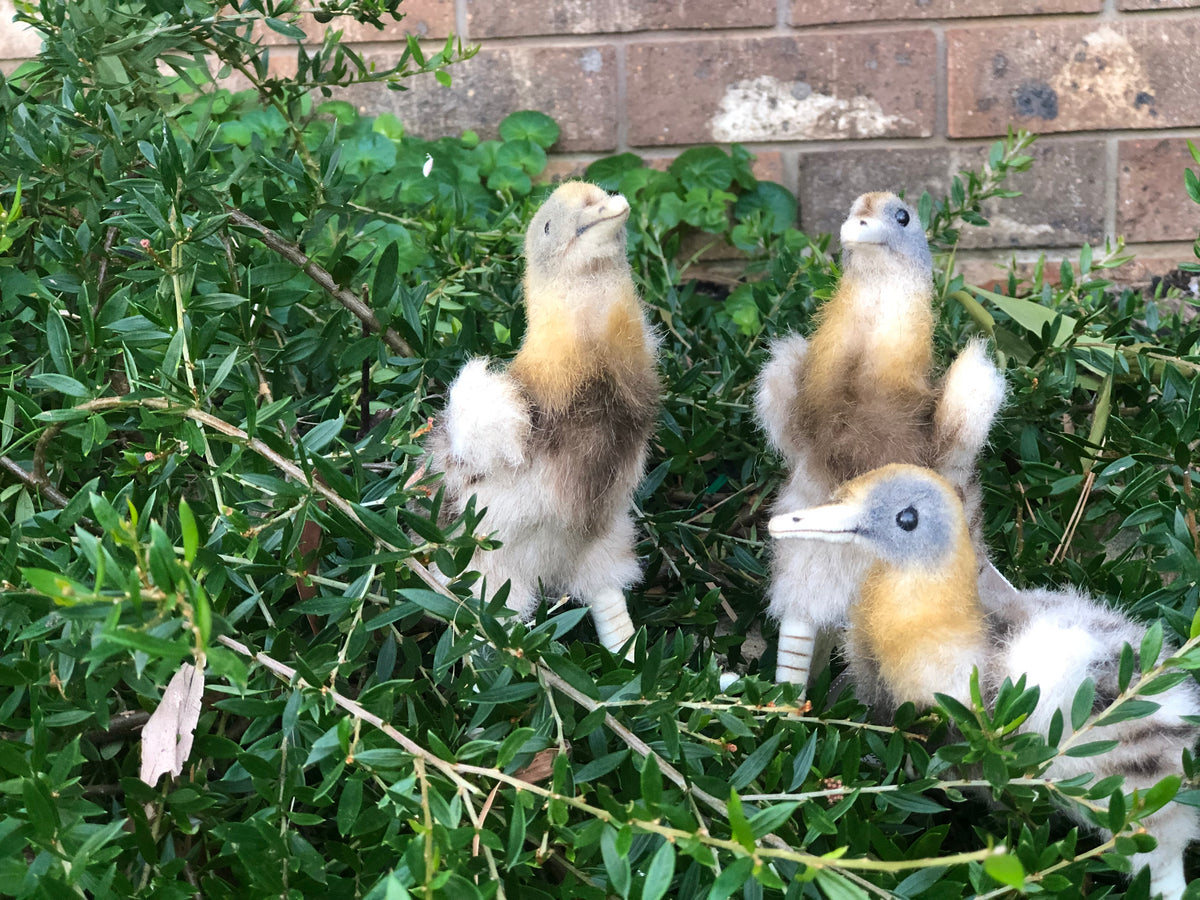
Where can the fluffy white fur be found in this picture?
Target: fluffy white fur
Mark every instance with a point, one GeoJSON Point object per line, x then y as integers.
{"type": "Point", "coordinates": [540, 540]}
{"type": "Point", "coordinates": [1067, 637]}
{"type": "Point", "coordinates": [487, 419]}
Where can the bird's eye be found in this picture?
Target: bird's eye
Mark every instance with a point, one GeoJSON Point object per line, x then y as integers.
{"type": "Point", "coordinates": [907, 518]}
{"type": "Point", "coordinates": [547, 228]}
{"type": "Point", "coordinates": [902, 217]}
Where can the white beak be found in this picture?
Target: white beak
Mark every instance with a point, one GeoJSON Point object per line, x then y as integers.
{"type": "Point", "coordinates": [862, 230]}
{"type": "Point", "coordinates": [613, 209]}
{"type": "Point", "coordinates": [837, 523]}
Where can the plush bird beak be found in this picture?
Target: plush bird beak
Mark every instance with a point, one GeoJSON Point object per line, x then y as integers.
{"type": "Point", "coordinates": [614, 208]}
{"type": "Point", "coordinates": [837, 523]}
{"type": "Point", "coordinates": [862, 230]}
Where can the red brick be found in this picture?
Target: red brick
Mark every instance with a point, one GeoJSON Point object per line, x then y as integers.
{"type": "Point", "coordinates": [517, 18]}
{"type": "Point", "coordinates": [1157, 4]}
{"type": "Point", "coordinates": [1062, 202]}
{"type": "Point", "coordinates": [810, 87]}
{"type": "Point", "coordinates": [16, 41]}
{"type": "Point", "coordinates": [424, 18]}
{"type": "Point", "coordinates": [817, 12]}
{"type": "Point", "coordinates": [1074, 76]}
{"type": "Point", "coordinates": [577, 86]}
{"type": "Point", "coordinates": [1152, 204]}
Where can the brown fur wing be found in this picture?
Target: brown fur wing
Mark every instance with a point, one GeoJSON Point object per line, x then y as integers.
{"type": "Point", "coordinates": [859, 424]}
{"type": "Point", "coordinates": [596, 444]}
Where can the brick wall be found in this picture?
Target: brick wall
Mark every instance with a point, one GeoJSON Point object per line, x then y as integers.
{"type": "Point", "coordinates": [842, 96]}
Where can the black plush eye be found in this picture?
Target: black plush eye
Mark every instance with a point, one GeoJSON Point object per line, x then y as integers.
{"type": "Point", "coordinates": [547, 228]}
{"type": "Point", "coordinates": [902, 218]}
{"type": "Point", "coordinates": [907, 518]}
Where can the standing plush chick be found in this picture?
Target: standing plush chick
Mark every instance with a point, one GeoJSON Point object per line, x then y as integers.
{"type": "Point", "coordinates": [858, 395]}
{"type": "Point", "coordinates": [554, 445]}
{"type": "Point", "coordinates": [919, 628]}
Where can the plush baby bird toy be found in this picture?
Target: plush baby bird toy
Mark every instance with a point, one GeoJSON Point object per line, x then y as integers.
{"type": "Point", "coordinates": [554, 445]}
{"type": "Point", "coordinates": [919, 628]}
{"type": "Point", "coordinates": [859, 395]}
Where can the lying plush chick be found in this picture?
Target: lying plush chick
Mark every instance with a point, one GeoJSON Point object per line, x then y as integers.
{"type": "Point", "coordinates": [859, 395]}
{"type": "Point", "coordinates": [554, 445]}
{"type": "Point", "coordinates": [918, 628]}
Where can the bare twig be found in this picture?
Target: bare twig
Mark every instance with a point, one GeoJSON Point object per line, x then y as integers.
{"type": "Point", "coordinates": [42, 485]}
{"type": "Point", "coordinates": [290, 469]}
{"type": "Point", "coordinates": [288, 674]}
{"type": "Point", "coordinates": [110, 238]}
{"type": "Point", "coordinates": [348, 299]}
{"type": "Point", "coordinates": [1060, 552]}
{"type": "Point", "coordinates": [121, 725]}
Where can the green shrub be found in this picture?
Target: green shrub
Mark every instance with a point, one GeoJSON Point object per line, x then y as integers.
{"type": "Point", "coordinates": [229, 316]}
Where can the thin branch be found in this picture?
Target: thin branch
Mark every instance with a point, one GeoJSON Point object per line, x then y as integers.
{"type": "Point", "coordinates": [284, 465]}
{"type": "Point", "coordinates": [348, 299]}
{"type": "Point", "coordinates": [110, 238]}
{"type": "Point", "coordinates": [356, 709]}
{"type": "Point", "coordinates": [121, 725]}
{"type": "Point", "coordinates": [42, 485]}
{"type": "Point", "coordinates": [634, 742]}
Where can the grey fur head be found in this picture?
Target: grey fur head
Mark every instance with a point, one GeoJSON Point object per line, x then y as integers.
{"type": "Point", "coordinates": [902, 514]}
{"type": "Point", "coordinates": [883, 222]}
{"type": "Point", "coordinates": [579, 227]}
{"type": "Point", "coordinates": [908, 518]}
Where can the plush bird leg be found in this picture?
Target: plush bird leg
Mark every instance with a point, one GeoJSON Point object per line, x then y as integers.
{"type": "Point", "coordinates": [793, 659]}
{"type": "Point", "coordinates": [614, 627]}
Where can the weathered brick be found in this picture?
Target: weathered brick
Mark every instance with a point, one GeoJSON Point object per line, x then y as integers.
{"type": "Point", "coordinates": [1152, 204]}
{"type": "Point", "coordinates": [817, 12]}
{"type": "Point", "coordinates": [577, 86]}
{"type": "Point", "coordinates": [808, 87]}
{"type": "Point", "coordinates": [424, 18]}
{"type": "Point", "coordinates": [509, 18]}
{"type": "Point", "coordinates": [1062, 203]}
{"type": "Point", "coordinates": [1157, 4]}
{"type": "Point", "coordinates": [16, 41]}
{"type": "Point", "coordinates": [1074, 76]}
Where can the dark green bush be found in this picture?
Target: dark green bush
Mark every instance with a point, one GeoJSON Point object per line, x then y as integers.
{"type": "Point", "coordinates": [229, 316]}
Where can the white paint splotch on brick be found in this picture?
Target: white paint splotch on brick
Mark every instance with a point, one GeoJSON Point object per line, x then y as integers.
{"type": "Point", "coordinates": [769, 109]}
{"type": "Point", "coordinates": [591, 60]}
{"type": "Point", "coordinates": [1106, 68]}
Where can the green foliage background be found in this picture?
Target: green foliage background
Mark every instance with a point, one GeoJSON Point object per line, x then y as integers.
{"type": "Point", "coordinates": [187, 382]}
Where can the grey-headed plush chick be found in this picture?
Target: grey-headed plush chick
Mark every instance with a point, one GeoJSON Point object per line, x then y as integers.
{"type": "Point", "coordinates": [918, 628]}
